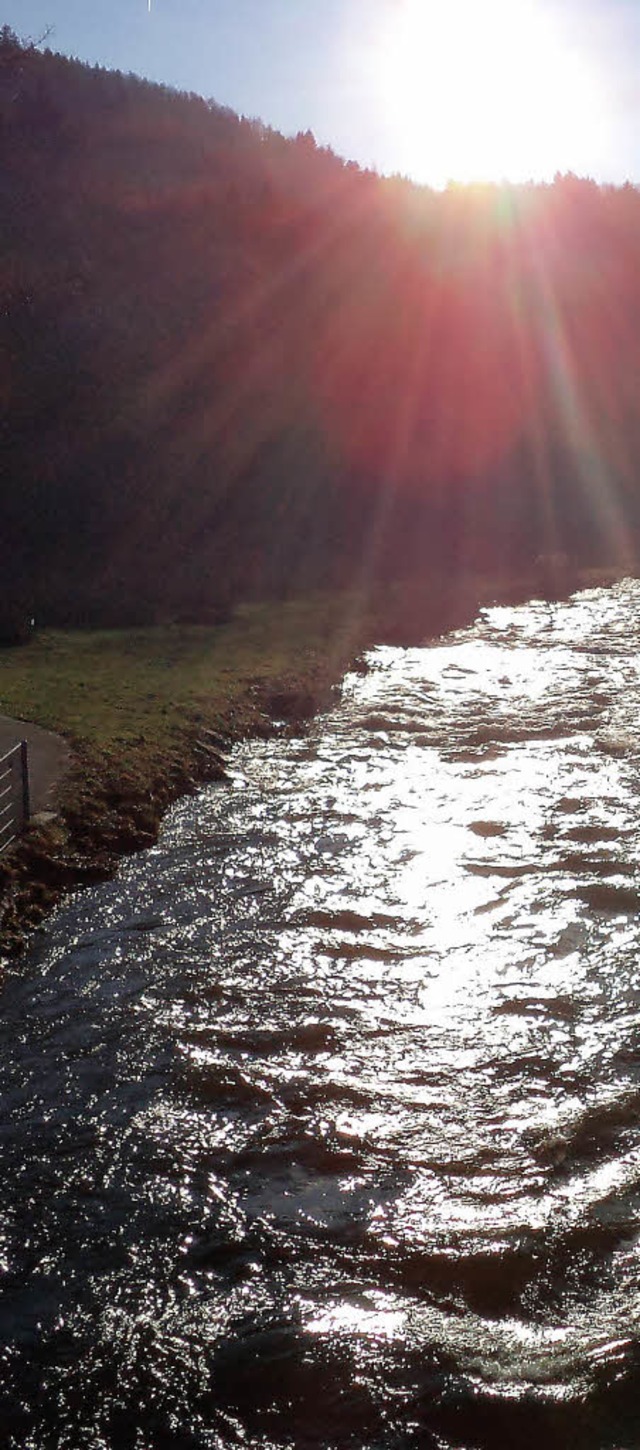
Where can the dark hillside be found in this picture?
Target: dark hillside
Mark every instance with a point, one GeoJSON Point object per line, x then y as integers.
{"type": "Point", "coordinates": [232, 364]}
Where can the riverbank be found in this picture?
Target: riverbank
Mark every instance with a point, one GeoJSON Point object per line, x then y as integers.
{"type": "Point", "coordinates": [149, 715]}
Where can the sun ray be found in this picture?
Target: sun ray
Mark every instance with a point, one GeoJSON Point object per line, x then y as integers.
{"type": "Point", "coordinates": [476, 92]}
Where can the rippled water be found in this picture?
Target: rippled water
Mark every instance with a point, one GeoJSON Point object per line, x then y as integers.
{"type": "Point", "coordinates": [322, 1123]}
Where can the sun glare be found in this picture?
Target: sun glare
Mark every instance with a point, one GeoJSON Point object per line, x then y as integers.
{"type": "Point", "coordinates": [486, 90]}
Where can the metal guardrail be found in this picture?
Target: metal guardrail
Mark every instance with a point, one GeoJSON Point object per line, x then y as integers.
{"type": "Point", "coordinates": [15, 808]}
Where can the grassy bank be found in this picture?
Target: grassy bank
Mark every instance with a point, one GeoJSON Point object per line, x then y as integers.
{"type": "Point", "coordinates": [149, 714]}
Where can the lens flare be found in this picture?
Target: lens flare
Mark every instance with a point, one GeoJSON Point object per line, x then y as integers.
{"type": "Point", "coordinates": [480, 92]}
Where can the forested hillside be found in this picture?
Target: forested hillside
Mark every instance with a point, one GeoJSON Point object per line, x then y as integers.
{"type": "Point", "coordinates": [233, 364]}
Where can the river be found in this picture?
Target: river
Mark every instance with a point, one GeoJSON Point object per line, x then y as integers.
{"type": "Point", "coordinates": [321, 1123]}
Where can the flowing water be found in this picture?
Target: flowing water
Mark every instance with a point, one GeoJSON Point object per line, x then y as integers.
{"type": "Point", "coordinates": [322, 1122]}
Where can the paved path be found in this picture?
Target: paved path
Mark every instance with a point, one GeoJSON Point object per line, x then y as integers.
{"type": "Point", "coordinates": [49, 757]}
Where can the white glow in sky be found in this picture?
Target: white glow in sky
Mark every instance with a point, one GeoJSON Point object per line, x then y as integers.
{"type": "Point", "coordinates": [479, 91]}
{"type": "Point", "coordinates": [434, 88]}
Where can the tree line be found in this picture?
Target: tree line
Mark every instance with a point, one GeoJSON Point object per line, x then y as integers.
{"type": "Point", "coordinates": [235, 365]}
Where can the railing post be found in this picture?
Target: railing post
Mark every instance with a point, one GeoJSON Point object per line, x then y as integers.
{"type": "Point", "coordinates": [26, 799]}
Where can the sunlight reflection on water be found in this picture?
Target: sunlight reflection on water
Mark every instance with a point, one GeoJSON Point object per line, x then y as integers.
{"type": "Point", "coordinates": [334, 1095]}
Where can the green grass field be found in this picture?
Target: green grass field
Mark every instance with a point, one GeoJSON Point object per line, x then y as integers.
{"type": "Point", "coordinates": [145, 685]}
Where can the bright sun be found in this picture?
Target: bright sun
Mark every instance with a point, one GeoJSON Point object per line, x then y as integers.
{"type": "Point", "coordinates": [480, 90]}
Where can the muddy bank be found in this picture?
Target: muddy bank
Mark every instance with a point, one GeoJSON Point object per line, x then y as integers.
{"type": "Point", "coordinates": [112, 803]}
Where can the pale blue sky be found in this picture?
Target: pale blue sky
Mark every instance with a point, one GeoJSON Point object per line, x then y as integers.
{"type": "Point", "coordinates": [321, 64]}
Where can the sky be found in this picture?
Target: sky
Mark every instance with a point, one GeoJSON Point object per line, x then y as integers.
{"type": "Point", "coordinates": [436, 89]}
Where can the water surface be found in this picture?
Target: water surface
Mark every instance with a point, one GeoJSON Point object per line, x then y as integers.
{"type": "Point", "coordinates": [322, 1122]}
